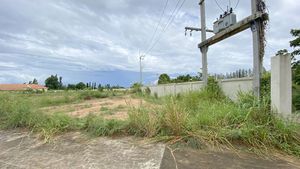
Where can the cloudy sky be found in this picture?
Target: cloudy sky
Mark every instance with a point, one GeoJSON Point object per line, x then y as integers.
{"type": "Point", "coordinates": [99, 40]}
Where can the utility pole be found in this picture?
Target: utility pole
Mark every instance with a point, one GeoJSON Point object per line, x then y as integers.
{"type": "Point", "coordinates": [203, 38]}
{"type": "Point", "coordinates": [203, 49]}
{"type": "Point", "coordinates": [141, 57]}
{"type": "Point", "coordinates": [254, 21]}
{"type": "Point", "coordinates": [257, 49]}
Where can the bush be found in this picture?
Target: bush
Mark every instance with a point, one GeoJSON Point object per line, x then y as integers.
{"type": "Point", "coordinates": [136, 88]}
{"type": "Point", "coordinates": [174, 118]}
{"type": "Point", "coordinates": [266, 85]}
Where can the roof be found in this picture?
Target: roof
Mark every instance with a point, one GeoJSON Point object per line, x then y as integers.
{"type": "Point", "coordinates": [20, 87]}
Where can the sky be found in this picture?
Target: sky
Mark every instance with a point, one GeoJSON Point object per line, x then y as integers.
{"type": "Point", "coordinates": [100, 41]}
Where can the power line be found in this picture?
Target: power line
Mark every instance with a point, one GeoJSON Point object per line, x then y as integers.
{"type": "Point", "coordinates": [151, 45]}
{"type": "Point", "coordinates": [219, 5]}
{"type": "Point", "coordinates": [237, 4]}
{"type": "Point", "coordinates": [158, 23]}
{"type": "Point", "coordinates": [171, 19]}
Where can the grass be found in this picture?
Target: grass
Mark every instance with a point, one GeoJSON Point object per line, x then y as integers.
{"type": "Point", "coordinates": [197, 119]}
{"type": "Point", "coordinates": [208, 118]}
{"type": "Point", "coordinates": [22, 110]}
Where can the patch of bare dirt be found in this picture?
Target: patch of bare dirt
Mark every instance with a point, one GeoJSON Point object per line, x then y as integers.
{"type": "Point", "coordinates": [109, 108]}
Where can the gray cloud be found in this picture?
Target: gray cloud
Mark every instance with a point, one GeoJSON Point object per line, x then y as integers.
{"type": "Point", "coordinates": [37, 37]}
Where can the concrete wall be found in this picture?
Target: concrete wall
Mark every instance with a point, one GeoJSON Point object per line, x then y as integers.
{"type": "Point", "coordinates": [231, 87]}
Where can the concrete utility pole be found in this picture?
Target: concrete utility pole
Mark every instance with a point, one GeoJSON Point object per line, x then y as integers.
{"type": "Point", "coordinates": [255, 22]}
{"type": "Point", "coordinates": [257, 49]}
{"type": "Point", "coordinates": [141, 69]}
{"type": "Point", "coordinates": [203, 38]}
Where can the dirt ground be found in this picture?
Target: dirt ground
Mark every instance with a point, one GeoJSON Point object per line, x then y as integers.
{"type": "Point", "coordinates": [109, 108]}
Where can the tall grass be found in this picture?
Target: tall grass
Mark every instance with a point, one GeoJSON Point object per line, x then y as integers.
{"type": "Point", "coordinates": [19, 110]}
{"type": "Point", "coordinates": [209, 118]}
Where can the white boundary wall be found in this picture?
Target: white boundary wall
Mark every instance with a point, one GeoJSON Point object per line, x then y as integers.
{"type": "Point", "coordinates": [231, 87]}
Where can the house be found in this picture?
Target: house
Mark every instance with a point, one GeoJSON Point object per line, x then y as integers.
{"type": "Point", "coordinates": [22, 87]}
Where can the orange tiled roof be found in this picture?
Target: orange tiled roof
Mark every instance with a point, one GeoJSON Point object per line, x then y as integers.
{"type": "Point", "coordinates": [20, 87]}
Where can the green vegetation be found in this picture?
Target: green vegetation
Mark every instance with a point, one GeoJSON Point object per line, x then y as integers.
{"type": "Point", "coordinates": [22, 110]}
{"type": "Point", "coordinates": [54, 82]}
{"type": "Point", "coordinates": [136, 88]}
{"type": "Point", "coordinates": [197, 119]}
{"type": "Point", "coordinates": [208, 118]}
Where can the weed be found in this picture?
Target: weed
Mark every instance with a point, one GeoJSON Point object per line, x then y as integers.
{"type": "Point", "coordinates": [143, 123]}
{"type": "Point", "coordinates": [97, 126]}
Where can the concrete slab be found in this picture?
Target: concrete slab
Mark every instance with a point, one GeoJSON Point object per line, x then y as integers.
{"type": "Point", "coordinates": [21, 150]}
{"type": "Point", "coordinates": [187, 158]}
{"type": "Point", "coordinates": [73, 150]}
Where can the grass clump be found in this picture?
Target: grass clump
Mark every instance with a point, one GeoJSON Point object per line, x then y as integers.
{"type": "Point", "coordinates": [98, 126]}
{"type": "Point", "coordinates": [143, 122]}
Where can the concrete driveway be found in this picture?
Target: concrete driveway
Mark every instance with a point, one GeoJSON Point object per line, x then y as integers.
{"type": "Point", "coordinates": [20, 150]}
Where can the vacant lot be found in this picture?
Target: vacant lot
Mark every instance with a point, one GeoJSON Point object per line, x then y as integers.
{"type": "Point", "coordinates": [199, 120]}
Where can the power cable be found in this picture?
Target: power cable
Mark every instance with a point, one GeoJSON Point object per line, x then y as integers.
{"type": "Point", "coordinates": [158, 23]}
{"type": "Point", "coordinates": [163, 30]}
{"type": "Point", "coordinates": [237, 4]}
{"type": "Point", "coordinates": [171, 19]}
{"type": "Point", "coordinates": [219, 5]}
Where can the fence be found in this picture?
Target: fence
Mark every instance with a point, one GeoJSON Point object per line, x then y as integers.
{"type": "Point", "coordinates": [230, 87]}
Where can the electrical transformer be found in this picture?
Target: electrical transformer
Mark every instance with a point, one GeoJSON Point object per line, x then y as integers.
{"type": "Point", "coordinates": [225, 20]}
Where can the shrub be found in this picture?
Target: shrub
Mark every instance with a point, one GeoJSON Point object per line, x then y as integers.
{"type": "Point", "coordinates": [174, 118]}
{"type": "Point", "coordinates": [136, 88]}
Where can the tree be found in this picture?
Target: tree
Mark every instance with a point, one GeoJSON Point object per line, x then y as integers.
{"type": "Point", "coordinates": [80, 86]}
{"type": "Point", "coordinates": [71, 87]}
{"type": "Point", "coordinates": [35, 81]}
{"type": "Point", "coordinates": [296, 42]}
{"type": "Point", "coordinates": [164, 79]}
{"type": "Point", "coordinates": [282, 52]}
{"type": "Point", "coordinates": [53, 83]}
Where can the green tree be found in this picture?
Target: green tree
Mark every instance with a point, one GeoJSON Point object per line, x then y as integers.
{"type": "Point", "coordinates": [80, 86]}
{"type": "Point", "coordinates": [164, 79]}
{"type": "Point", "coordinates": [53, 82]}
{"type": "Point", "coordinates": [35, 81]}
{"type": "Point", "coordinates": [282, 52]}
{"type": "Point", "coordinates": [71, 87]}
{"type": "Point", "coordinates": [296, 42]}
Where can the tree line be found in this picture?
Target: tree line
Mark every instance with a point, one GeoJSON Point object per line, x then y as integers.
{"type": "Point", "coordinates": [241, 73]}
{"type": "Point", "coordinates": [54, 82]}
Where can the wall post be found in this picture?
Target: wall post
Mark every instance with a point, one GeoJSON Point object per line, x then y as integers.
{"type": "Point", "coordinates": [281, 84]}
